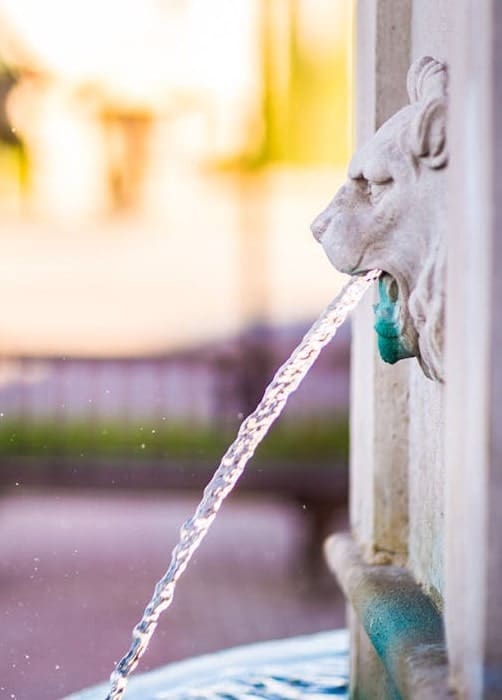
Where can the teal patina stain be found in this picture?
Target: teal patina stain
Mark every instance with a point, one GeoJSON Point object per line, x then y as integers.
{"type": "Point", "coordinates": [391, 345]}
{"type": "Point", "coordinates": [398, 619]}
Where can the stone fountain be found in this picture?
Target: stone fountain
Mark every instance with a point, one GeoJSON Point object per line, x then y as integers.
{"type": "Point", "coordinates": [390, 214]}
{"type": "Point", "coordinates": [422, 565]}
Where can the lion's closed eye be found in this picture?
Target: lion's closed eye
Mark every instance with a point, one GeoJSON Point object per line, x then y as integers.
{"type": "Point", "coordinates": [377, 190]}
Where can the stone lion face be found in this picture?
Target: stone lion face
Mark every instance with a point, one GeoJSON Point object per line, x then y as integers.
{"type": "Point", "coordinates": [387, 216]}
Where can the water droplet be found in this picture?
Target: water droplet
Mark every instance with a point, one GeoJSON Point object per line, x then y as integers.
{"type": "Point", "coordinates": [142, 445]}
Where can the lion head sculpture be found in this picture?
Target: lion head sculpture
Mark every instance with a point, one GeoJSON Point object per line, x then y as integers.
{"type": "Point", "coordinates": [388, 215]}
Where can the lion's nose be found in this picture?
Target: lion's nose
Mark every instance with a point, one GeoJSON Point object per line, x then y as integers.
{"type": "Point", "coordinates": [319, 226]}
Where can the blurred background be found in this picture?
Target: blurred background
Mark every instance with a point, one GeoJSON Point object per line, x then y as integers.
{"type": "Point", "coordinates": [160, 163]}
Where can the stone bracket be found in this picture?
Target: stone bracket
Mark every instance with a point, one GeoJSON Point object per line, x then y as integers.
{"type": "Point", "coordinates": [401, 621]}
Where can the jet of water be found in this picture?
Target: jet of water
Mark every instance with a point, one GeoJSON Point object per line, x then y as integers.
{"type": "Point", "coordinates": [252, 431]}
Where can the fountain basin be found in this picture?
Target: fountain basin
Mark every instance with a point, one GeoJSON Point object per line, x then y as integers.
{"type": "Point", "coordinates": [310, 665]}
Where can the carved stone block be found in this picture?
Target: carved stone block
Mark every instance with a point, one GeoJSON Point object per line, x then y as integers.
{"type": "Point", "coordinates": [389, 215]}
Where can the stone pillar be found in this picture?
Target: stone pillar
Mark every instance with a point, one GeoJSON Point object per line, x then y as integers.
{"type": "Point", "coordinates": [473, 611]}
{"type": "Point", "coordinates": [379, 393]}
{"type": "Point", "coordinates": [454, 546]}
{"type": "Point", "coordinates": [379, 405]}
{"type": "Point", "coordinates": [397, 474]}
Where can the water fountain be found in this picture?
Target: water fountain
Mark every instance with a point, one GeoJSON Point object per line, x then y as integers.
{"type": "Point", "coordinates": [391, 215]}
{"type": "Point", "coordinates": [405, 154]}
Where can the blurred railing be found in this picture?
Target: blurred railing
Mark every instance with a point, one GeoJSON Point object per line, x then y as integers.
{"type": "Point", "coordinates": [211, 386]}
{"type": "Point", "coordinates": [164, 422]}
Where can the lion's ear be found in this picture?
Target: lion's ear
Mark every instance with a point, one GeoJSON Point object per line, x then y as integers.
{"type": "Point", "coordinates": [428, 134]}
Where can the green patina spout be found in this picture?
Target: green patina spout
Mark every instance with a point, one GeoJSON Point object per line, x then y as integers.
{"type": "Point", "coordinates": [391, 345]}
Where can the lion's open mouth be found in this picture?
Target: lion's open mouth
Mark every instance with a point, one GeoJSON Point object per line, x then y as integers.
{"type": "Point", "coordinates": [389, 321]}
{"type": "Point", "coordinates": [388, 282]}
{"type": "Point", "coordinates": [391, 287]}
{"type": "Point", "coordinates": [387, 316]}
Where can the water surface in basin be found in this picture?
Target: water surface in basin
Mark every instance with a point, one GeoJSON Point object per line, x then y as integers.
{"type": "Point", "coordinates": [310, 666]}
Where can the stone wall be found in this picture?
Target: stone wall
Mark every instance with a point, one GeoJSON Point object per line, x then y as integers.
{"type": "Point", "coordinates": [397, 451]}
{"type": "Point", "coordinates": [426, 456]}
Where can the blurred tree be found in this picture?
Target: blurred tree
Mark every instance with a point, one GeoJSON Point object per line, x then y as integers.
{"type": "Point", "coordinates": [7, 82]}
{"type": "Point", "coordinates": [13, 161]}
{"type": "Point", "coordinates": [305, 87]}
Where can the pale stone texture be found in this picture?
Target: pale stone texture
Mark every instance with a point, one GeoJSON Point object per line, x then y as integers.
{"type": "Point", "coordinates": [431, 21]}
{"type": "Point", "coordinates": [473, 610]}
{"type": "Point", "coordinates": [390, 444]}
{"type": "Point", "coordinates": [382, 458]}
{"type": "Point", "coordinates": [441, 444]}
{"type": "Point", "coordinates": [379, 476]}
{"type": "Point", "coordinates": [426, 481]}
{"type": "Point", "coordinates": [431, 28]}
{"type": "Point", "coordinates": [379, 518]}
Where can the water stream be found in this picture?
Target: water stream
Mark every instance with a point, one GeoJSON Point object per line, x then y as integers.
{"type": "Point", "coordinates": [252, 431]}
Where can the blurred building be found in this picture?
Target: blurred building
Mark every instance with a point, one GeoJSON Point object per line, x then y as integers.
{"type": "Point", "coordinates": [169, 156]}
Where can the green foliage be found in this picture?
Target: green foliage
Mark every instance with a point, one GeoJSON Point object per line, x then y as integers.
{"type": "Point", "coordinates": [13, 168]}
{"type": "Point", "coordinates": [299, 442]}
